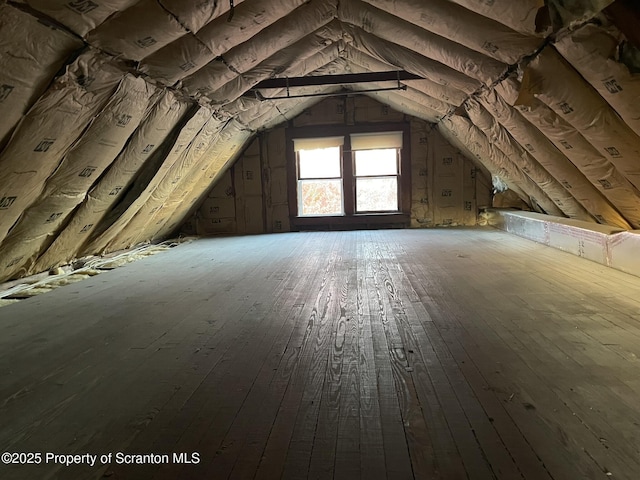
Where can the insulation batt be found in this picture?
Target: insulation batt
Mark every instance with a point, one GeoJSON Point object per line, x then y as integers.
{"type": "Point", "coordinates": [80, 17]}
{"type": "Point", "coordinates": [299, 67]}
{"type": "Point", "coordinates": [591, 51]}
{"type": "Point", "coordinates": [595, 166]}
{"type": "Point", "coordinates": [520, 15]}
{"type": "Point", "coordinates": [565, 13]}
{"type": "Point", "coordinates": [431, 108]}
{"type": "Point", "coordinates": [258, 114]}
{"type": "Point", "coordinates": [221, 35]}
{"type": "Point", "coordinates": [177, 60]}
{"type": "Point", "coordinates": [410, 61]}
{"type": "Point", "coordinates": [501, 139]}
{"type": "Point", "coordinates": [412, 108]}
{"type": "Point", "coordinates": [250, 202]}
{"type": "Point", "coordinates": [422, 168]}
{"type": "Point", "coordinates": [453, 191]}
{"type": "Point", "coordinates": [438, 91]}
{"type": "Point", "coordinates": [241, 105]}
{"type": "Point", "coordinates": [182, 201]}
{"type": "Point", "coordinates": [463, 26]}
{"type": "Point", "coordinates": [478, 151]}
{"type": "Point", "coordinates": [273, 41]}
{"type": "Point", "coordinates": [328, 61]}
{"type": "Point", "coordinates": [301, 51]}
{"type": "Point", "coordinates": [254, 114]}
{"type": "Point", "coordinates": [551, 79]}
{"type": "Point", "coordinates": [191, 144]}
{"type": "Point", "coordinates": [427, 107]}
{"type": "Point", "coordinates": [299, 23]}
{"type": "Point", "coordinates": [49, 129]}
{"type": "Point", "coordinates": [294, 107]}
{"type": "Point", "coordinates": [209, 80]}
{"type": "Point", "coordinates": [198, 84]}
{"type": "Point", "coordinates": [117, 220]}
{"type": "Point", "coordinates": [212, 206]}
{"type": "Point", "coordinates": [178, 179]}
{"type": "Point", "coordinates": [372, 20]}
{"type": "Point", "coordinates": [496, 161]}
{"type": "Point", "coordinates": [154, 129]}
{"type": "Point", "coordinates": [124, 35]}
{"type": "Point", "coordinates": [195, 14]}
{"type": "Point", "coordinates": [192, 52]}
{"type": "Point", "coordinates": [30, 55]}
{"type": "Point", "coordinates": [67, 187]}
{"type": "Point", "coordinates": [553, 160]}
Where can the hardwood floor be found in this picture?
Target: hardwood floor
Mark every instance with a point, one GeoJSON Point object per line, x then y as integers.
{"type": "Point", "coordinates": [399, 354]}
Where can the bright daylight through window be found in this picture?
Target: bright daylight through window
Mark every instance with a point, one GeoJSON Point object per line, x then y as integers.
{"type": "Point", "coordinates": [352, 175]}
{"type": "Point", "coordinates": [320, 182]}
{"type": "Point", "coordinates": [361, 179]}
{"type": "Point", "coordinates": [376, 173]}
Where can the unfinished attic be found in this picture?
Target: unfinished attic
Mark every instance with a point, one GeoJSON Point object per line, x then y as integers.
{"type": "Point", "coordinates": [396, 239]}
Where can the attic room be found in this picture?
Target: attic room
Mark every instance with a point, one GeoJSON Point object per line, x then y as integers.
{"type": "Point", "coordinates": [264, 239]}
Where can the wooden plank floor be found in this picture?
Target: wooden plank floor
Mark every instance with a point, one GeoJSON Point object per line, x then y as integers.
{"type": "Point", "coordinates": [428, 354]}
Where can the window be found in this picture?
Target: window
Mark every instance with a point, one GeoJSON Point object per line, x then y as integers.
{"type": "Point", "coordinates": [355, 177]}
{"type": "Point", "coordinates": [376, 175]}
{"type": "Point", "coordinates": [376, 171]}
{"type": "Point", "coordinates": [320, 182]}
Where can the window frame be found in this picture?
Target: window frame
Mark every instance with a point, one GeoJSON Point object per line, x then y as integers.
{"type": "Point", "coordinates": [395, 175]}
{"type": "Point", "coordinates": [299, 180]}
{"type": "Point", "coordinates": [350, 218]}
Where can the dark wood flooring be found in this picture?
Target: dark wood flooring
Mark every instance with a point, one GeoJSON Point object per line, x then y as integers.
{"type": "Point", "coordinates": [428, 354]}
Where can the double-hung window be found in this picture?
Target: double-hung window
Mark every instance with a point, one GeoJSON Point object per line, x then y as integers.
{"type": "Point", "coordinates": [376, 170]}
{"type": "Point", "coordinates": [349, 178]}
{"type": "Point", "coordinates": [319, 171]}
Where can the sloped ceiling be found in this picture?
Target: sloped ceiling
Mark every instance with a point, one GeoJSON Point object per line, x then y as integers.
{"type": "Point", "coordinates": [544, 94]}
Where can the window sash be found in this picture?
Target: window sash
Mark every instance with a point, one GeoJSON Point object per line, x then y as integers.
{"type": "Point", "coordinates": [301, 203]}
{"type": "Point", "coordinates": [395, 171]}
{"type": "Point", "coordinates": [336, 161]}
{"type": "Point", "coordinates": [396, 202]}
